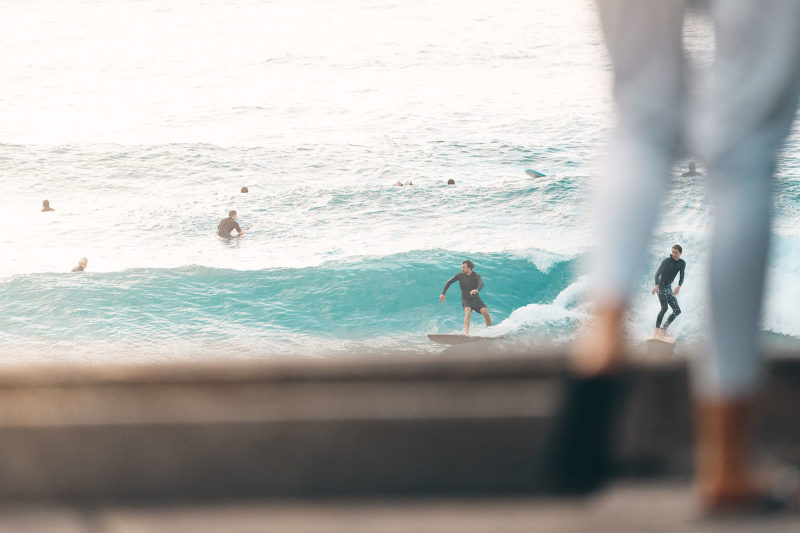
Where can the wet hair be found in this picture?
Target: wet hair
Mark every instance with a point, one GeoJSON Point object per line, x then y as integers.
{"type": "Point", "coordinates": [45, 203]}
{"type": "Point", "coordinates": [244, 189]}
{"type": "Point", "coordinates": [231, 213]}
{"type": "Point", "coordinates": [677, 247]}
{"type": "Point", "coordinates": [451, 181]}
{"type": "Point", "coordinates": [469, 264]}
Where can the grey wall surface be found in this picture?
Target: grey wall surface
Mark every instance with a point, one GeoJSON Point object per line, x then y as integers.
{"type": "Point", "coordinates": [465, 423]}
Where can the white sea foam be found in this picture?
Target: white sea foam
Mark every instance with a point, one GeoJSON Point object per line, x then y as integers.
{"type": "Point", "coordinates": [140, 122]}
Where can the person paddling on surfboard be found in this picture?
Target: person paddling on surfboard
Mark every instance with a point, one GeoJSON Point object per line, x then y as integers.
{"type": "Point", "coordinates": [665, 275]}
{"type": "Point", "coordinates": [470, 283]}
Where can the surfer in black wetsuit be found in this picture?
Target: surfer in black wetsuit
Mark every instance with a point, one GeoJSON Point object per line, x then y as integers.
{"type": "Point", "coordinates": [692, 171]}
{"type": "Point", "coordinates": [665, 275]}
{"type": "Point", "coordinates": [228, 224]}
{"type": "Point", "coordinates": [470, 283]}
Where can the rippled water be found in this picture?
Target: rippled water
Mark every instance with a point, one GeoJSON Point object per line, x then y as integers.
{"type": "Point", "coordinates": [140, 122]}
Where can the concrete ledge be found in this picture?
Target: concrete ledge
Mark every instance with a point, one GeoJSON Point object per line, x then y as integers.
{"type": "Point", "coordinates": [410, 425]}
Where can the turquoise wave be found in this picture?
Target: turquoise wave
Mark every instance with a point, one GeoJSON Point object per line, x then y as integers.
{"type": "Point", "coordinates": [352, 300]}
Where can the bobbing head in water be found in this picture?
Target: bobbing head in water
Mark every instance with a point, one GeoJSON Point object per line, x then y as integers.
{"type": "Point", "coordinates": [82, 263]}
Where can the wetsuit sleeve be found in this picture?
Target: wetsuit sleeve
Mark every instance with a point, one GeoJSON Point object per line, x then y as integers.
{"type": "Point", "coordinates": [479, 286]}
{"type": "Point", "coordinates": [683, 267]}
{"type": "Point", "coordinates": [236, 226]}
{"type": "Point", "coordinates": [658, 272]}
{"type": "Point", "coordinates": [449, 282]}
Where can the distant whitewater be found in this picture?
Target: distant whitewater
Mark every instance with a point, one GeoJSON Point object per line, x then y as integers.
{"type": "Point", "coordinates": [142, 145]}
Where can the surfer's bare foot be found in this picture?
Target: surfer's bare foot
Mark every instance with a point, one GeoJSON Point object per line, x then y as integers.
{"type": "Point", "coordinates": [657, 334]}
{"type": "Point", "coordinates": [599, 349]}
{"type": "Point", "coordinates": [726, 479]}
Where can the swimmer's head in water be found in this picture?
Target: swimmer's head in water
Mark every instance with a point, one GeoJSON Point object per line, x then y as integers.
{"type": "Point", "coordinates": [45, 203]}
{"type": "Point", "coordinates": [451, 181]}
{"type": "Point", "coordinates": [245, 189]}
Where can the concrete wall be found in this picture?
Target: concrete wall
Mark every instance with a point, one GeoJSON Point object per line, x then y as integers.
{"type": "Point", "coordinates": [462, 423]}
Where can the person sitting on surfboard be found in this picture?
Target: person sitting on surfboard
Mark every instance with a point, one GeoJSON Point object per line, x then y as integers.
{"type": "Point", "coordinates": [665, 275]}
{"type": "Point", "coordinates": [470, 283]}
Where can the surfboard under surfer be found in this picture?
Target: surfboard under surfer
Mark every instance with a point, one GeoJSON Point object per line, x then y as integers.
{"type": "Point", "coordinates": [471, 283]}
{"type": "Point", "coordinates": [665, 275]}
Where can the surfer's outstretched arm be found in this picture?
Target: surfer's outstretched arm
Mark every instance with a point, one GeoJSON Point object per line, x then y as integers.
{"type": "Point", "coordinates": [447, 286]}
{"type": "Point", "coordinates": [658, 272]}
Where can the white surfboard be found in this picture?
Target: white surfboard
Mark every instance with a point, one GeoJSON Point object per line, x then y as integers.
{"type": "Point", "coordinates": [534, 173]}
{"type": "Point", "coordinates": [661, 340]}
{"type": "Point", "coordinates": [660, 346]}
{"type": "Point", "coordinates": [457, 339]}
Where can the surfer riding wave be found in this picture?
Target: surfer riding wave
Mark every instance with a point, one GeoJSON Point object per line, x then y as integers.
{"type": "Point", "coordinates": [665, 275]}
{"type": "Point", "coordinates": [471, 283]}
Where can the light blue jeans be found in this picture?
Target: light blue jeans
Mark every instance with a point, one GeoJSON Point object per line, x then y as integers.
{"type": "Point", "coordinates": [745, 117]}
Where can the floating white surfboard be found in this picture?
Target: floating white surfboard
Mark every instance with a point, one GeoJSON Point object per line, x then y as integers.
{"type": "Point", "coordinates": [534, 173]}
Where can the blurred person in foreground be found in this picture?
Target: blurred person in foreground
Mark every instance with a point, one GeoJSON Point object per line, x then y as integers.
{"type": "Point", "coordinates": [745, 118]}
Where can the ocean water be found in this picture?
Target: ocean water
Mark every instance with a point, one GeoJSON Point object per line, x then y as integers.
{"type": "Point", "coordinates": [141, 121]}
